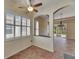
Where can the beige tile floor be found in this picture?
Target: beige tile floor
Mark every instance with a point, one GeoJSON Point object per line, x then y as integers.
{"type": "Point", "coordinates": [61, 46]}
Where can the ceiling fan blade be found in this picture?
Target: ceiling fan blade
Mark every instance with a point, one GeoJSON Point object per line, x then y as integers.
{"type": "Point", "coordinates": [36, 5]}
{"type": "Point", "coordinates": [27, 12]}
{"type": "Point", "coordinates": [35, 10]}
{"type": "Point", "coordinates": [21, 7]}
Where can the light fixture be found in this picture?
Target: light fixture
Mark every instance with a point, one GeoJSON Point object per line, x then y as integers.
{"type": "Point", "coordinates": [61, 24]}
{"type": "Point", "coordinates": [30, 8]}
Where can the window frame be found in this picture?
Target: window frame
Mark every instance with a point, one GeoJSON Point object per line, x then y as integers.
{"type": "Point", "coordinates": [8, 25]}
{"type": "Point", "coordinates": [28, 26]}
{"type": "Point", "coordinates": [14, 25]}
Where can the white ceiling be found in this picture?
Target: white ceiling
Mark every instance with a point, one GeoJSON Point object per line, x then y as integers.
{"type": "Point", "coordinates": [47, 4]}
{"type": "Point", "coordinates": [69, 11]}
{"type": "Point", "coordinates": [45, 17]}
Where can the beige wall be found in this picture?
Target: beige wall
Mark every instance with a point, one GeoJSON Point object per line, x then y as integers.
{"type": "Point", "coordinates": [44, 43]}
{"type": "Point", "coordinates": [43, 26]}
{"type": "Point", "coordinates": [14, 46]}
{"type": "Point", "coordinates": [71, 30]}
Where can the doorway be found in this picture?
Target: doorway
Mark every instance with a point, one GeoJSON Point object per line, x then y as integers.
{"type": "Point", "coordinates": [63, 30]}
{"type": "Point", "coordinates": [59, 28]}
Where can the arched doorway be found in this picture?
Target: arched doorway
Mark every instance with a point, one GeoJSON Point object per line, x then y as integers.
{"type": "Point", "coordinates": [63, 30]}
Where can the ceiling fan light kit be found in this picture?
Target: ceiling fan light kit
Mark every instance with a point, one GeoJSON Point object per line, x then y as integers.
{"type": "Point", "coordinates": [30, 9]}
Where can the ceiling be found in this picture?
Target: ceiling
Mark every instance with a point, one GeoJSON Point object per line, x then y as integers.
{"type": "Point", "coordinates": [47, 4]}
{"type": "Point", "coordinates": [44, 17]}
{"type": "Point", "coordinates": [68, 11]}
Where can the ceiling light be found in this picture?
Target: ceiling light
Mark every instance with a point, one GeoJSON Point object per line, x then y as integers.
{"type": "Point", "coordinates": [30, 8]}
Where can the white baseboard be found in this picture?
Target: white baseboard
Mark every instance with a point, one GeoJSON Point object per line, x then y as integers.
{"type": "Point", "coordinates": [44, 48]}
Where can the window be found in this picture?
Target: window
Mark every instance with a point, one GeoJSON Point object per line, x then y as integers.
{"type": "Point", "coordinates": [23, 31]}
{"type": "Point", "coordinates": [9, 31]}
{"type": "Point", "coordinates": [28, 31]}
{"type": "Point", "coordinates": [23, 26]}
{"type": "Point", "coordinates": [16, 26]}
{"type": "Point", "coordinates": [9, 28]}
{"type": "Point", "coordinates": [9, 19]}
{"type": "Point", "coordinates": [28, 22]}
{"type": "Point", "coordinates": [17, 31]}
{"type": "Point", "coordinates": [37, 28]}
{"type": "Point", "coordinates": [24, 21]}
{"type": "Point", "coordinates": [28, 27]}
{"type": "Point", "coordinates": [17, 20]}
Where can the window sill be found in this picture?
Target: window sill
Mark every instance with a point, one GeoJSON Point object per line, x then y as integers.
{"type": "Point", "coordinates": [16, 38]}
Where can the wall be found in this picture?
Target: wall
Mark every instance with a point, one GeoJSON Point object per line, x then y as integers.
{"type": "Point", "coordinates": [13, 46]}
{"type": "Point", "coordinates": [17, 45]}
{"type": "Point", "coordinates": [46, 42]}
{"type": "Point", "coordinates": [43, 42]}
{"type": "Point", "coordinates": [43, 26]}
{"type": "Point", "coordinates": [71, 30]}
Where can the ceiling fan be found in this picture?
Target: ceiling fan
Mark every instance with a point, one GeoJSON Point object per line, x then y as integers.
{"type": "Point", "coordinates": [31, 7]}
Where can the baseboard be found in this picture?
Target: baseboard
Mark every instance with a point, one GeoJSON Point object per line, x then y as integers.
{"type": "Point", "coordinates": [44, 49]}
